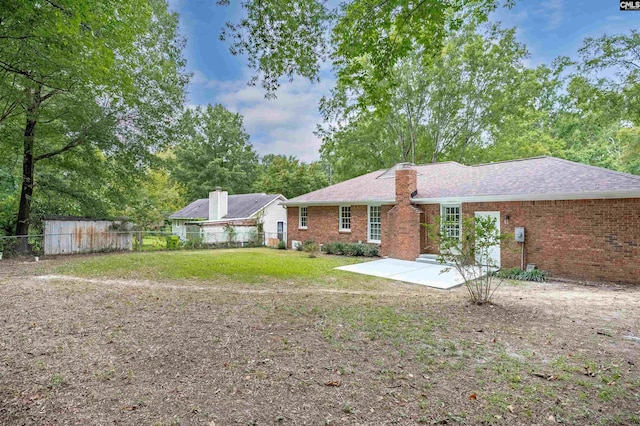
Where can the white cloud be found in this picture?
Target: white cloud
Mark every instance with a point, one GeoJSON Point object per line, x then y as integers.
{"type": "Point", "coordinates": [198, 78]}
{"type": "Point", "coordinates": [277, 126]}
{"type": "Point", "coordinates": [552, 10]}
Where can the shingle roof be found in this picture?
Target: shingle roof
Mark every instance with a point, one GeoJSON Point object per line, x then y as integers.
{"type": "Point", "coordinates": [539, 177]}
{"type": "Point", "coordinates": [199, 209]}
{"type": "Point", "coordinates": [239, 206]}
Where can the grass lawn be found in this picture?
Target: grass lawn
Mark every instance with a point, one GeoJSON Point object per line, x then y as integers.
{"type": "Point", "coordinates": [263, 337]}
{"type": "Point", "coordinates": [249, 266]}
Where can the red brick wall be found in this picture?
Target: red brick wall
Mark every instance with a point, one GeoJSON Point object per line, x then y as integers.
{"type": "Point", "coordinates": [402, 237]}
{"type": "Point", "coordinates": [595, 240]}
{"type": "Point", "coordinates": [384, 228]}
{"type": "Point", "coordinates": [402, 240]}
{"type": "Point", "coordinates": [322, 225]}
{"type": "Point", "coordinates": [428, 244]}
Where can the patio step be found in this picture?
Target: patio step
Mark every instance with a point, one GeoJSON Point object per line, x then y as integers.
{"type": "Point", "coordinates": [429, 258]}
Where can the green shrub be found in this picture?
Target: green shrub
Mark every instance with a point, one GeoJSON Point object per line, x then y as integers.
{"type": "Point", "coordinates": [371, 250]}
{"type": "Point", "coordinates": [518, 274]}
{"type": "Point", "coordinates": [312, 248]}
{"type": "Point", "coordinates": [173, 242]}
{"type": "Point", "coordinates": [331, 248]}
{"type": "Point", "coordinates": [354, 249]}
{"type": "Point", "coordinates": [340, 248]}
{"type": "Point", "coordinates": [282, 245]}
{"type": "Point", "coordinates": [509, 273]}
{"type": "Point", "coordinates": [351, 249]}
{"type": "Point", "coordinates": [8, 245]}
{"type": "Point", "coordinates": [536, 275]}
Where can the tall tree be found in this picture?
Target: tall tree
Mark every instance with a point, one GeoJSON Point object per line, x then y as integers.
{"type": "Point", "coordinates": [158, 197]}
{"type": "Point", "coordinates": [619, 55]}
{"type": "Point", "coordinates": [598, 112]}
{"type": "Point", "coordinates": [289, 177]}
{"type": "Point", "coordinates": [423, 112]}
{"type": "Point", "coordinates": [361, 146]}
{"type": "Point", "coordinates": [526, 128]}
{"type": "Point", "coordinates": [106, 78]}
{"type": "Point", "coordinates": [294, 37]}
{"type": "Point", "coordinates": [214, 150]}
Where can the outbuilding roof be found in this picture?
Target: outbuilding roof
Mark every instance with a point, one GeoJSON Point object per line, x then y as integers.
{"type": "Point", "coordinates": [539, 178]}
{"type": "Point", "coordinates": [240, 206]}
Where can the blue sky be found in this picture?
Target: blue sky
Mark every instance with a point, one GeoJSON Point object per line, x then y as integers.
{"type": "Point", "coordinates": [549, 28]}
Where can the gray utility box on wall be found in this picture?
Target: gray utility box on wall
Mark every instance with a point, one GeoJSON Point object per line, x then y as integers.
{"type": "Point", "coordinates": [519, 234]}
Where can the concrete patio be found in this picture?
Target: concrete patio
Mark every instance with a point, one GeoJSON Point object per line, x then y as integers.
{"type": "Point", "coordinates": [408, 271]}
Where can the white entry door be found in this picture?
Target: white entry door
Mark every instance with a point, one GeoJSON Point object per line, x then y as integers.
{"type": "Point", "coordinates": [495, 250]}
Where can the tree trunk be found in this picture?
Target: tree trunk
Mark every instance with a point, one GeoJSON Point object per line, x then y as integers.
{"type": "Point", "coordinates": [434, 157]}
{"type": "Point", "coordinates": [26, 194]}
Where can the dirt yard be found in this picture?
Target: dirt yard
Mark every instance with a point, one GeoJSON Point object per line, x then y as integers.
{"type": "Point", "coordinates": [81, 350]}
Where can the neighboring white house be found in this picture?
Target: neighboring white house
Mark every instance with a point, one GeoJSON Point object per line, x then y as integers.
{"type": "Point", "coordinates": [212, 218]}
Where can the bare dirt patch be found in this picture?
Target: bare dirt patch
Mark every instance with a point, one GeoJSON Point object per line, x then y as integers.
{"type": "Point", "coordinates": [92, 351]}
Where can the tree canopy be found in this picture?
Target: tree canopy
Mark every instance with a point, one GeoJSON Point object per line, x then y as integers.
{"type": "Point", "coordinates": [288, 176]}
{"type": "Point", "coordinates": [282, 39]}
{"type": "Point", "coordinates": [477, 101]}
{"type": "Point", "coordinates": [425, 112]}
{"type": "Point", "coordinates": [87, 93]}
{"type": "Point", "coordinates": [214, 150]}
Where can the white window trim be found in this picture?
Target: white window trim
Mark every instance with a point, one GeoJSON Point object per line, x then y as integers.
{"type": "Point", "coordinates": [340, 228]}
{"type": "Point", "coordinates": [442, 213]}
{"type": "Point", "coordinates": [300, 217]}
{"type": "Point", "coordinates": [369, 240]}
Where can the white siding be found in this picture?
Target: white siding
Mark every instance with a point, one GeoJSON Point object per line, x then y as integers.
{"type": "Point", "coordinates": [274, 213]}
{"type": "Point", "coordinates": [178, 228]}
{"type": "Point", "coordinates": [216, 234]}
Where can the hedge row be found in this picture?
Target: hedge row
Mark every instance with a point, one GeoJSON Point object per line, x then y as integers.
{"type": "Point", "coordinates": [351, 249]}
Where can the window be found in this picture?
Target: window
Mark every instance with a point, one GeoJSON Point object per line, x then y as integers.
{"type": "Point", "coordinates": [302, 218]}
{"type": "Point", "coordinates": [451, 222]}
{"type": "Point", "coordinates": [375, 230]}
{"type": "Point", "coordinates": [345, 218]}
{"type": "Point", "coordinates": [280, 229]}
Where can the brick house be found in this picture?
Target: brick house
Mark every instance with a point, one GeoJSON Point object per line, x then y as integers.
{"type": "Point", "coordinates": [580, 221]}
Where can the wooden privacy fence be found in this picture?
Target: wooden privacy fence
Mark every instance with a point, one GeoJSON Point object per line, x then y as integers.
{"type": "Point", "coordinates": [73, 235]}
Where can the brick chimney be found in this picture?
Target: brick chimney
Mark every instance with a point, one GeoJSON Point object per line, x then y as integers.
{"type": "Point", "coordinates": [402, 235]}
{"type": "Point", "coordinates": [406, 183]}
{"type": "Point", "coordinates": [218, 204]}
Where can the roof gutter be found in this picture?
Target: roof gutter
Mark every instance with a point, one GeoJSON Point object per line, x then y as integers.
{"type": "Point", "coordinates": [594, 195]}
{"type": "Point", "coordinates": [185, 218]}
{"type": "Point", "coordinates": [338, 203]}
{"type": "Point", "coordinates": [597, 195]}
{"type": "Point", "coordinates": [220, 221]}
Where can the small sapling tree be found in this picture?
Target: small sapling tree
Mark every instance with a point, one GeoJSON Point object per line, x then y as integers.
{"type": "Point", "coordinates": [471, 253]}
